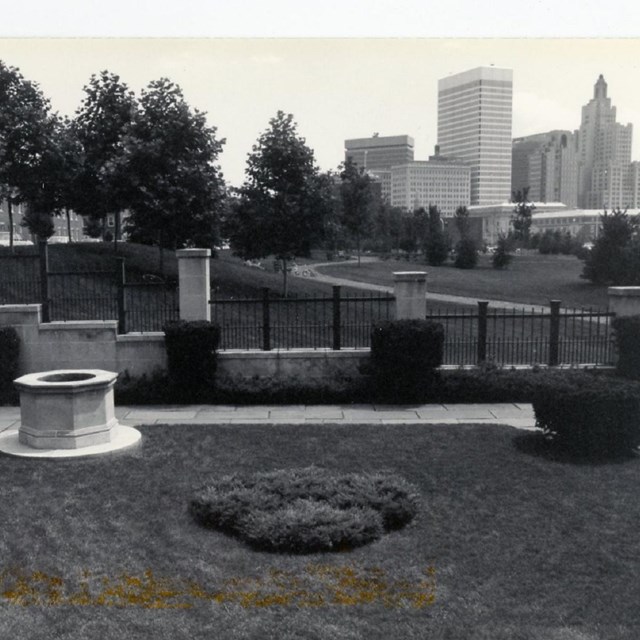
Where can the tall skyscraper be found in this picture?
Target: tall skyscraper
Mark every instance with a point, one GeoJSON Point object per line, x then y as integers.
{"type": "Point", "coordinates": [546, 164]}
{"type": "Point", "coordinates": [474, 124]}
{"type": "Point", "coordinates": [604, 148]}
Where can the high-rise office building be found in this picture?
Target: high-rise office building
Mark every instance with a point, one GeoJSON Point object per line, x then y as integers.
{"type": "Point", "coordinates": [546, 164]}
{"type": "Point", "coordinates": [379, 152]}
{"type": "Point", "coordinates": [604, 148]}
{"type": "Point", "coordinates": [474, 124]}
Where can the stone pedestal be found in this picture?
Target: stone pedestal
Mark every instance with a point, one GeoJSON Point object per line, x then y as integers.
{"type": "Point", "coordinates": [624, 301]}
{"type": "Point", "coordinates": [194, 283]}
{"type": "Point", "coordinates": [66, 409]}
{"type": "Point", "coordinates": [410, 290]}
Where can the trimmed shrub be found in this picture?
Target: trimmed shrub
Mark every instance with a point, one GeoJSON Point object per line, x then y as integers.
{"type": "Point", "coordinates": [191, 356]}
{"type": "Point", "coordinates": [9, 354]}
{"type": "Point", "coordinates": [590, 416]}
{"type": "Point", "coordinates": [306, 510]}
{"type": "Point", "coordinates": [404, 357]}
{"type": "Point", "coordinates": [627, 336]}
{"type": "Point", "coordinates": [501, 257]}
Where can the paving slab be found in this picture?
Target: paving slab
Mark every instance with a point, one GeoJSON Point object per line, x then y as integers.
{"type": "Point", "coordinates": [157, 416]}
{"type": "Point", "coordinates": [360, 414]}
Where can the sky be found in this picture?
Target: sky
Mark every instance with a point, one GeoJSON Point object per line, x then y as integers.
{"type": "Point", "coordinates": [337, 88]}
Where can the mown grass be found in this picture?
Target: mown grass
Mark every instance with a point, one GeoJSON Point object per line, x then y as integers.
{"type": "Point", "coordinates": [531, 278]}
{"type": "Point", "coordinates": [515, 545]}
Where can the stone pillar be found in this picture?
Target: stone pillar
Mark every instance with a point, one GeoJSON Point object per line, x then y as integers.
{"type": "Point", "coordinates": [624, 301]}
{"type": "Point", "coordinates": [410, 290]}
{"type": "Point", "coordinates": [193, 273]}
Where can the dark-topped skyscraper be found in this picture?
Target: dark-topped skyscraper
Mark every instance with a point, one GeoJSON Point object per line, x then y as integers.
{"type": "Point", "coordinates": [604, 154]}
{"type": "Point", "coordinates": [379, 152]}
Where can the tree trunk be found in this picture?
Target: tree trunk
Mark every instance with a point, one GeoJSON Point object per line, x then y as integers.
{"type": "Point", "coordinates": [68, 224]}
{"type": "Point", "coordinates": [358, 246]}
{"type": "Point", "coordinates": [161, 256]}
{"type": "Point", "coordinates": [285, 289]}
{"type": "Point", "coordinates": [116, 231]}
{"type": "Point", "coordinates": [10, 212]}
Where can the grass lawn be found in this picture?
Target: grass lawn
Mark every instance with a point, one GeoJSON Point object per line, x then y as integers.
{"type": "Point", "coordinates": [519, 546]}
{"type": "Point", "coordinates": [531, 278]}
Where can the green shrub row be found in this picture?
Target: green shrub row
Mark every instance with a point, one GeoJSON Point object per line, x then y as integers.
{"type": "Point", "coordinates": [473, 385]}
{"type": "Point", "coordinates": [305, 510]}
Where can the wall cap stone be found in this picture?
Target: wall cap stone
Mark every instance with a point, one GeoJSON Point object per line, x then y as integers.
{"type": "Point", "coordinates": [624, 291]}
{"type": "Point", "coordinates": [71, 325]}
{"type": "Point", "coordinates": [193, 253]}
{"type": "Point", "coordinates": [141, 336]}
{"type": "Point", "coordinates": [409, 276]}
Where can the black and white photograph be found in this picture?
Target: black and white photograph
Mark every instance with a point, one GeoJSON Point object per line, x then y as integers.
{"type": "Point", "coordinates": [320, 322]}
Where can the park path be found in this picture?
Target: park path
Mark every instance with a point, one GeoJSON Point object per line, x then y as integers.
{"type": "Point", "coordinates": [431, 296]}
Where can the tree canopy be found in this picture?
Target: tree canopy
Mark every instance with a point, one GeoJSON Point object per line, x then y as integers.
{"type": "Point", "coordinates": [165, 171]}
{"type": "Point", "coordinates": [284, 200]}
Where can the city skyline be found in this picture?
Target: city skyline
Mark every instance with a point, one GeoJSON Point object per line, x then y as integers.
{"type": "Point", "coordinates": [338, 89]}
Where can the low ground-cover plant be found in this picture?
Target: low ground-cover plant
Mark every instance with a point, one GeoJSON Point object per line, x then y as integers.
{"type": "Point", "coordinates": [306, 510]}
{"type": "Point", "coordinates": [9, 354]}
{"type": "Point", "coordinates": [405, 355]}
{"type": "Point", "coordinates": [590, 416]}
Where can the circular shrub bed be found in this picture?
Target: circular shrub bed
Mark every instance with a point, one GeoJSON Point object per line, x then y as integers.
{"type": "Point", "coordinates": [306, 510]}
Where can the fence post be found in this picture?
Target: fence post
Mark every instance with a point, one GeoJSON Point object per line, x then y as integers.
{"type": "Point", "coordinates": [482, 330]}
{"type": "Point", "coordinates": [194, 283]}
{"type": "Point", "coordinates": [266, 321]}
{"type": "Point", "coordinates": [43, 255]}
{"type": "Point", "coordinates": [120, 281]}
{"type": "Point", "coordinates": [336, 318]}
{"type": "Point", "coordinates": [410, 290]}
{"type": "Point", "coordinates": [554, 333]}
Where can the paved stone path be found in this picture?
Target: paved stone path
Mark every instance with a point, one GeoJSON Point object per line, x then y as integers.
{"type": "Point", "coordinates": [515, 415]}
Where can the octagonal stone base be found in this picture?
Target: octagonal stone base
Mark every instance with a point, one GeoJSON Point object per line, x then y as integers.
{"type": "Point", "coordinates": [66, 409]}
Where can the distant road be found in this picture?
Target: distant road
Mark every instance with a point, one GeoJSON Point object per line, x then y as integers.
{"type": "Point", "coordinates": [431, 297]}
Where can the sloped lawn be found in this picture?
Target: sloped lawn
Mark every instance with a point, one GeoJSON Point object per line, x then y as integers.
{"type": "Point", "coordinates": [508, 544]}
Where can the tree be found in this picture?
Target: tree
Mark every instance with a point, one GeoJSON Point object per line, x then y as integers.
{"type": "Point", "coordinates": [24, 124]}
{"type": "Point", "coordinates": [357, 201]}
{"type": "Point", "coordinates": [165, 169]}
{"type": "Point", "coordinates": [521, 218]}
{"type": "Point", "coordinates": [107, 110]}
{"type": "Point", "coordinates": [436, 246]}
{"type": "Point", "coordinates": [612, 258]}
{"type": "Point", "coordinates": [466, 249]}
{"type": "Point", "coordinates": [283, 201]}
{"type": "Point", "coordinates": [502, 257]}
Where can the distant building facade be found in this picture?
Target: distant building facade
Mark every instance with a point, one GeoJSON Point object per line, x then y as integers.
{"type": "Point", "coordinates": [581, 223]}
{"type": "Point", "coordinates": [604, 147]}
{"type": "Point", "coordinates": [441, 181]}
{"type": "Point", "coordinates": [546, 164]}
{"type": "Point", "coordinates": [22, 234]}
{"type": "Point", "coordinates": [474, 125]}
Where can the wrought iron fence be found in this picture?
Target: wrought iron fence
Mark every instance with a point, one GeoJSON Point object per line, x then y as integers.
{"type": "Point", "coordinates": [287, 323]}
{"type": "Point", "coordinates": [141, 305]}
{"type": "Point", "coordinates": [527, 336]}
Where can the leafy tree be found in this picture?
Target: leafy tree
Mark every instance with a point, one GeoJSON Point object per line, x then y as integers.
{"type": "Point", "coordinates": [24, 131]}
{"type": "Point", "coordinates": [502, 257]}
{"type": "Point", "coordinates": [466, 249]}
{"type": "Point", "coordinates": [466, 254]}
{"type": "Point", "coordinates": [437, 249]}
{"type": "Point", "coordinates": [357, 201]}
{"type": "Point", "coordinates": [521, 218]}
{"type": "Point", "coordinates": [107, 110]}
{"type": "Point", "coordinates": [165, 170]}
{"type": "Point", "coordinates": [612, 259]}
{"type": "Point", "coordinates": [283, 201]}
{"type": "Point", "coordinates": [388, 227]}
